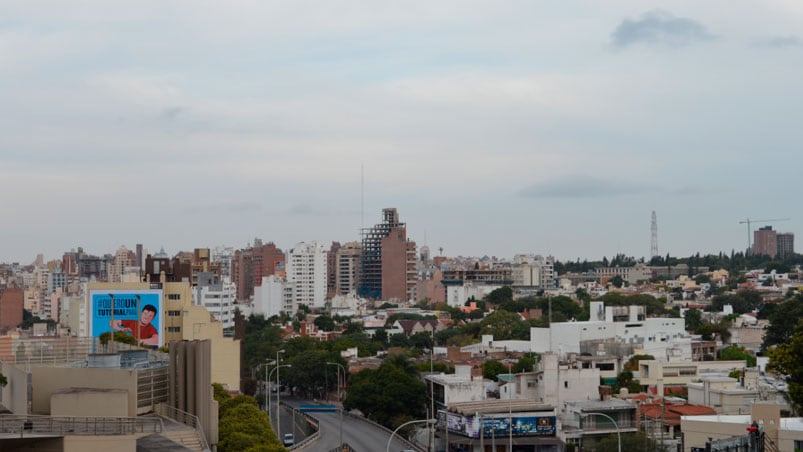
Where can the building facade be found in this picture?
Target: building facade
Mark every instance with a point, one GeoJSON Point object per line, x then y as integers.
{"type": "Point", "coordinates": [306, 270]}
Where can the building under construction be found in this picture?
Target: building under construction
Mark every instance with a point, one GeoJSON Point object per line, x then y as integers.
{"type": "Point", "coordinates": [388, 260]}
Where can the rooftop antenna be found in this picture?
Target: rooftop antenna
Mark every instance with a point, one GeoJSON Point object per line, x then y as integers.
{"type": "Point", "coordinates": [654, 236]}
{"type": "Point", "coordinates": [362, 197]}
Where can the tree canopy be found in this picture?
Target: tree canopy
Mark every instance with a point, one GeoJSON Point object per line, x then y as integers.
{"type": "Point", "coordinates": [389, 395]}
{"type": "Point", "coordinates": [787, 359]}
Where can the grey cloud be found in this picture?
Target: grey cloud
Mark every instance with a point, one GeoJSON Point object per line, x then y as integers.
{"type": "Point", "coordinates": [690, 190]}
{"type": "Point", "coordinates": [230, 207]}
{"type": "Point", "coordinates": [583, 187]}
{"type": "Point", "coordinates": [782, 42]}
{"type": "Point", "coordinates": [305, 209]}
{"type": "Point", "coordinates": [659, 27]}
{"type": "Point", "coordinates": [173, 112]}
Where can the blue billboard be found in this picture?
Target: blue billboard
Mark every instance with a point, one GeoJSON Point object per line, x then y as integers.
{"type": "Point", "coordinates": [135, 312]}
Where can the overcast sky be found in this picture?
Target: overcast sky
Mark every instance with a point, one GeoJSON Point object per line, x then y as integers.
{"type": "Point", "coordinates": [494, 127]}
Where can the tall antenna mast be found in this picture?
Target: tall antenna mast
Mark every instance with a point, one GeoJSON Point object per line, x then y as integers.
{"type": "Point", "coordinates": [654, 235]}
{"type": "Point", "coordinates": [362, 197]}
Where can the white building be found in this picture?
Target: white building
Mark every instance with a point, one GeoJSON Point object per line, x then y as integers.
{"type": "Point", "coordinates": [269, 297]}
{"type": "Point", "coordinates": [223, 255]}
{"type": "Point", "coordinates": [218, 297]}
{"type": "Point", "coordinates": [457, 296]}
{"type": "Point", "coordinates": [663, 336]}
{"type": "Point", "coordinates": [556, 383]}
{"type": "Point", "coordinates": [306, 268]}
{"type": "Point", "coordinates": [533, 271]}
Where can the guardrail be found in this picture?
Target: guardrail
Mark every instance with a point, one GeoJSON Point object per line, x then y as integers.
{"type": "Point", "coordinates": [185, 418]}
{"type": "Point", "coordinates": [76, 425]}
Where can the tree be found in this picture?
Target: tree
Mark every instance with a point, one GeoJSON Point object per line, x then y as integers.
{"type": "Point", "coordinates": [500, 295]}
{"type": "Point", "coordinates": [308, 372]}
{"type": "Point", "coordinates": [242, 425]}
{"type": "Point", "coordinates": [388, 394]}
{"type": "Point", "coordinates": [504, 325]}
{"type": "Point", "coordinates": [491, 368]}
{"type": "Point", "coordinates": [630, 441]}
{"type": "Point", "coordinates": [736, 353]}
{"type": "Point", "coordinates": [694, 320]}
{"type": "Point", "coordinates": [783, 322]}
{"type": "Point", "coordinates": [632, 363]}
{"type": "Point", "coordinates": [324, 323]}
{"type": "Point", "coordinates": [787, 359]}
{"type": "Point", "coordinates": [617, 281]}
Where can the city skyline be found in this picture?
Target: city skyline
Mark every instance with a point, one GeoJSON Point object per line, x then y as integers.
{"type": "Point", "coordinates": [494, 129]}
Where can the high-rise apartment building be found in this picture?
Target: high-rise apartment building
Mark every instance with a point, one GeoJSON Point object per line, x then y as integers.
{"type": "Point", "coordinates": [765, 242]}
{"type": "Point", "coordinates": [217, 295]}
{"type": "Point", "coordinates": [306, 268]}
{"type": "Point", "coordinates": [388, 267]}
{"type": "Point", "coordinates": [347, 268]}
{"type": "Point", "coordinates": [251, 264]}
{"type": "Point", "coordinates": [223, 256]}
{"type": "Point", "coordinates": [786, 244]}
{"type": "Point", "coordinates": [11, 305]}
{"type": "Point", "coordinates": [331, 270]}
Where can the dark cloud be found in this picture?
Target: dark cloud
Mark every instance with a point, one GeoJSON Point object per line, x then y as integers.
{"type": "Point", "coordinates": [583, 187]}
{"type": "Point", "coordinates": [782, 42]}
{"type": "Point", "coordinates": [659, 27]}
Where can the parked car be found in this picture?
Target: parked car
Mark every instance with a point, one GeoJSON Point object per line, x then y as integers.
{"type": "Point", "coordinates": [289, 439]}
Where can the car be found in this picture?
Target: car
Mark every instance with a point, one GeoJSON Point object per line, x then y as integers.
{"type": "Point", "coordinates": [288, 439]}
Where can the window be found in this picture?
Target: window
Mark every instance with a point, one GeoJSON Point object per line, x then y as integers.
{"type": "Point", "coordinates": [174, 329]}
{"type": "Point", "coordinates": [565, 384]}
{"type": "Point", "coordinates": [173, 313]}
{"type": "Point", "coordinates": [173, 296]}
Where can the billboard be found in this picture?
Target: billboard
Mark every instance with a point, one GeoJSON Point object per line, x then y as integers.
{"type": "Point", "coordinates": [135, 312]}
{"type": "Point", "coordinates": [499, 425]}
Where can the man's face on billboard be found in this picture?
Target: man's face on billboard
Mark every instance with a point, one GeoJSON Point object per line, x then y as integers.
{"type": "Point", "coordinates": [146, 317]}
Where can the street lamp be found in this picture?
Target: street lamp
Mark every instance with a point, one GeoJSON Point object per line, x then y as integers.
{"type": "Point", "coordinates": [255, 370]}
{"type": "Point", "coordinates": [339, 398]}
{"type": "Point", "coordinates": [428, 421]}
{"type": "Point", "coordinates": [268, 376]}
{"type": "Point", "coordinates": [615, 425]}
{"type": "Point", "coordinates": [279, 393]}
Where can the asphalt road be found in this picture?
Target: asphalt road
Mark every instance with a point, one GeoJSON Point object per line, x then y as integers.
{"type": "Point", "coordinates": [361, 435]}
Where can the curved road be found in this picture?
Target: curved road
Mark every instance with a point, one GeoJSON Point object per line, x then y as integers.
{"type": "Point", "coordinates": [361, 435]}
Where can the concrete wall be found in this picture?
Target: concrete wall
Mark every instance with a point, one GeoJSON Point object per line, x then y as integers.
{"type": "Point", "coordinates": [127, 443]}
{"type": "Point", "coordinates": [199, 325]}
{"type": "Point", "coordinates": [14, 395]}
{"type": "Point", "coordinates": [49, 380]}
{"type": "Point", "coordinates": [696, 432]}
{"type": "Point", "coordinates": [83, 401]}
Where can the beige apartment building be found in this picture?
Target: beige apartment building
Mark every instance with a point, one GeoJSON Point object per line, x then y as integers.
{"type": "Point", "coordinates": [786, 434]}
{"type": "Point", "coordinates": [178, 319]}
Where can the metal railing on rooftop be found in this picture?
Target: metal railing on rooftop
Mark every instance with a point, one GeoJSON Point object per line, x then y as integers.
{"type": "Point", "coordinates": [185, 418]}
{"type": "Point", "coordinates": [77, 425]}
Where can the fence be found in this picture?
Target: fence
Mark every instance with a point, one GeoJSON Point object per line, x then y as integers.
{"type": "Point", "coordinates": [185, 418]}
{"type": "Point", "coordinates": [74, 425]}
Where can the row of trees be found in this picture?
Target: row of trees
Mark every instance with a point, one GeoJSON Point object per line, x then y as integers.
{"type": "Point", "coordinates": [243, 427]}
{"type": "Point", "coordinates": [733, 262]}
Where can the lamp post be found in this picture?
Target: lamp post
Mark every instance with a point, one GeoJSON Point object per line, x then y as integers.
{"type": "Point", "coordinates": [510, 409]}
{"type": "Point", "coordinates": [339, 386]}
{"type": "Point", "coordinates": [278, 394]}
{"type": "Point", "coordinates": [254, 371]}
{"type": "Point", "coordinates": [615, 425]}
{"type": "Point", "coordinates": [111, 332]}
{"type": "Point", "coordinates": [268, 376]}
{"type": "Point", "coordinates": [428, 421]}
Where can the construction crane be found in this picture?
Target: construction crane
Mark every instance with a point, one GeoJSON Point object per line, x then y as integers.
{"type": "Point", "coordinates": [748, 221]}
